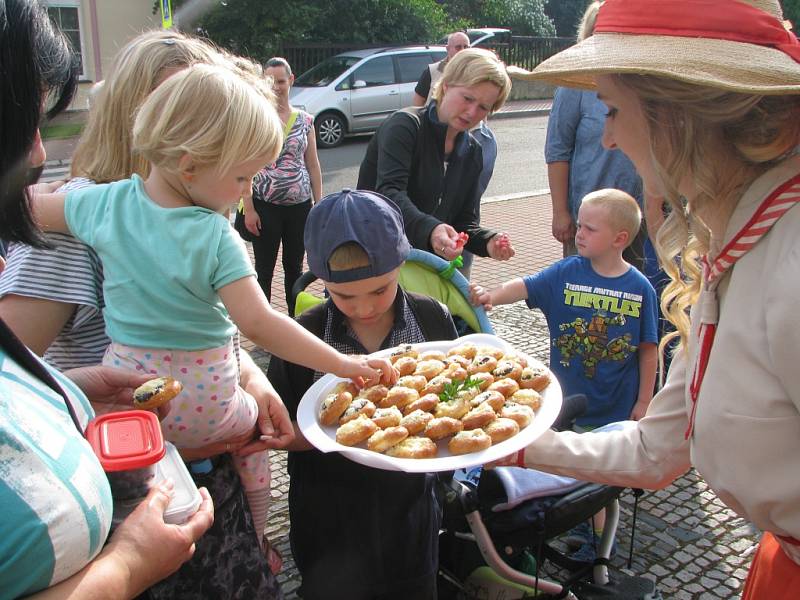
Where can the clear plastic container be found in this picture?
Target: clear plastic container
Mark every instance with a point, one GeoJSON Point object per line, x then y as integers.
{"type": "Point", "coordinates": [184, 503]}
{"type": "Point", "coordinates": [128, 445]}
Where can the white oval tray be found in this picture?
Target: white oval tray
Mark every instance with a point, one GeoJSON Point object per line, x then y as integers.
{"type": "Point", "coordinates": [324, 438]}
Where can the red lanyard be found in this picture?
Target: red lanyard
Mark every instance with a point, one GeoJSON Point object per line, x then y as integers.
{"type": "Point", "coordinates": [771, 209]}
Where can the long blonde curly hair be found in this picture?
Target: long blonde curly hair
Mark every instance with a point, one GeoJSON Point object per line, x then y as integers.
{"type": "Point", "coordinates": [723, 141]}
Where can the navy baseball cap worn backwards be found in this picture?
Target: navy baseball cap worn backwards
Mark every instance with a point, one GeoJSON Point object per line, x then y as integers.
{"type": "Point", "coordinates": [365, 218]}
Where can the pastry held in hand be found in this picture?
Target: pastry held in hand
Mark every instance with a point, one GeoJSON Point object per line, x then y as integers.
{"type": "Point", "coordinates": [156, 392]}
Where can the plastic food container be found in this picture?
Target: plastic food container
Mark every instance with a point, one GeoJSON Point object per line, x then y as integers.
{"type": "Point", "coordinates": [186, 499]}
{"type": "Point", "coordinates": [128, 445]}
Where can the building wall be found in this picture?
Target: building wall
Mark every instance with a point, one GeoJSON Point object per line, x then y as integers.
{"type": "Point", "coordinates": [105, 27]}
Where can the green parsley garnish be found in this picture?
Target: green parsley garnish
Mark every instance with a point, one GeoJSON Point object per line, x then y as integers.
{"type": "Point", "coordinates": [452, 389]}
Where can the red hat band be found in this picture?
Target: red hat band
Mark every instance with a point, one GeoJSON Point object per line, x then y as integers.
{"type": "Point", "coordinates": [730, 20]}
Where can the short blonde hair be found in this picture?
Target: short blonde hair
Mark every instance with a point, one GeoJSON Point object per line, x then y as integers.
{"type": "Point", "coordinates": [217, 116]}
{"type": "Point", "coordinates": [104, 150]}
{"type": "Point", "coordinates": [348, 256]}
{"type": "Point", "coordinates": [474, 66]}
{"type": "Point", "coordinates": [622, 210]}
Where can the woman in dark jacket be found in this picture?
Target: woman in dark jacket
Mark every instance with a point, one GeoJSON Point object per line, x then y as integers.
{"type": "Point", "coordinates": [426, 160]}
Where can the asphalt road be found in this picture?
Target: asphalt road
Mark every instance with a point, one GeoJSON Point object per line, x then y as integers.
{"type": "Point", "coordinates": [520, 166]}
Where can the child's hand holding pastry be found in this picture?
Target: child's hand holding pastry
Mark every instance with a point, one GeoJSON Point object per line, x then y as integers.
{"type": "Point", "coordinates": [365, 371]}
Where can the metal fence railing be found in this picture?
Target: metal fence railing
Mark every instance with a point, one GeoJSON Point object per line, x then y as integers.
{"type": "Point", "coordinates": [522, 51]}
{"type": "Point", "coordinates": [527, 51]}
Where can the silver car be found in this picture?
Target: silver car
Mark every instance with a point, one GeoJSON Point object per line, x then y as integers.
{"type": "Point", "coordinates": [355, 91]}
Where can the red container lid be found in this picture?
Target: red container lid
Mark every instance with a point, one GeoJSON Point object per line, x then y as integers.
{"type": "Point", "coordinates": [126, 440]}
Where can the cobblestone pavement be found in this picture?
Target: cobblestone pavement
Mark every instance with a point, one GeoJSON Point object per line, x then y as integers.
{"type": "Point", "coordinates": [685, 538]}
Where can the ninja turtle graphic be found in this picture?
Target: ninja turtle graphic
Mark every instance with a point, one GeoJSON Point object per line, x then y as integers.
{"type": "Point", "coordinates": [590, 341]}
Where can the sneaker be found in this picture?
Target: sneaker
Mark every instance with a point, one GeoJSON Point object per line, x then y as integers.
{"type": "Point", "coordinates": [579, 535]}
{"type": "Point", "coordinates": [587, 553]}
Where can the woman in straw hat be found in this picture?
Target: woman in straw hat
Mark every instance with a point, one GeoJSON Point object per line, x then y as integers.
{"type": "Point", "coordinates": [704, 97]}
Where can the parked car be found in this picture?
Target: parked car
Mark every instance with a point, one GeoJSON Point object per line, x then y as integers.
{"type": "Point", "coordinates": [485, 35]}
{"type": "Point", "coordinates": [355, 91]}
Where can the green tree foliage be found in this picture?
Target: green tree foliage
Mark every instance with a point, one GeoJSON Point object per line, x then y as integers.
{"type": "Point", "coordinates": [566, 15]}
{"type": "Point", "coordinates": [255, 28]}
{"type": "Point", "coordinates": [398, 21]}
{"type": "Point", "coordinates": [523, 17]}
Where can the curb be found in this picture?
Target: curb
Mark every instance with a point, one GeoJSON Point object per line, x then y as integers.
{"type": "Point", "coordinates": [525, 112]}
{"type": "Point", "coordinates": [516, 196]}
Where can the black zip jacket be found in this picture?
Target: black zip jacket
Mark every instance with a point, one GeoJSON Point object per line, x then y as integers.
{"type": "Point", "coordinates": [405, 162]}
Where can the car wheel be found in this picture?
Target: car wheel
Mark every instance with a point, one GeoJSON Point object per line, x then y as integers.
{"type": "Point", "coordinates": [330, 130]}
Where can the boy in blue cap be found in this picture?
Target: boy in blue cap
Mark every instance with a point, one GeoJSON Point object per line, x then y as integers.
{"type": "Point", "coordinates": [360, 533]}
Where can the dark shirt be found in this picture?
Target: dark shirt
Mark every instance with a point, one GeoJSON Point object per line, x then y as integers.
{"type": "Point", "coordinates": [358, 532]}
{"type": "Point", "coordinates": [405, 162]}
{"type": "Point", "coordinates": [423, 87]}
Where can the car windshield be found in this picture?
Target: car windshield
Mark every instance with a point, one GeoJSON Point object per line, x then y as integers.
{"type": "Point", "coordinates": [326, 71]}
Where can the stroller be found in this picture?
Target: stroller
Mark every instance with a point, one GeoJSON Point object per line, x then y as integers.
{"type": "Point", "coordinates": [423, 273]}
{"type": "Point", "coordinates": [493, 545]}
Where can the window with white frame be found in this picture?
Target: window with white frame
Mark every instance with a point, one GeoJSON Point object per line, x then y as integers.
{"type": "Point", "coordinates": [66, 16]}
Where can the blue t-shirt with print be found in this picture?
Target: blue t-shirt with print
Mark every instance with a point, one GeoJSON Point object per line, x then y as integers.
{"type": "Point", "coordinates": [596, 326]}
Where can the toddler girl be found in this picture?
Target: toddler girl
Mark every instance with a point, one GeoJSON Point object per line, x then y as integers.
{"type": "Point", "coordinates": [178, 280]}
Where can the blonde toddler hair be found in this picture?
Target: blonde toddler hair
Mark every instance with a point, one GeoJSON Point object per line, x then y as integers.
{"type": "Point", "coordinates": [474, 66]}
{"type": "Point", "coordinates": [104, 151]}
{"type": "Point", "coordinates": [218, 116]}
{"type": "Point", "coordinates": [622, 210]}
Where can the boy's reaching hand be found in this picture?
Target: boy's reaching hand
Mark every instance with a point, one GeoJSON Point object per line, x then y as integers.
{"type": "Point", "coordinates": [480, 296]}
{"type": "Point", "coordinates": [365, 371]}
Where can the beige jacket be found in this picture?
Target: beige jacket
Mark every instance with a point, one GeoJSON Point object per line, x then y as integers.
{"type": "Point", "coordinates": [746, 440]}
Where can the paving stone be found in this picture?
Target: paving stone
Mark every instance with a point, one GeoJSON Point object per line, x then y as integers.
{"type": "Point", "coordinates": [695, 589]}
{"type": "Point", "coordinates": [734, 583]}
{"type": "Point", "coordinates": [685, 576]}
{"type": "Point", "coordinates": [667, 539]}
{"type": "Point", "coordinates": [659, 571]}
{"type": "Point", "coordinates": [683, 534]}
{"type": "Point", "coordinates": [652, 521]}
{"type": "Point", "coordinates": [671, 582]}
{"type": "Point", "coordinates": [708, 582]}
{"type": "Point", "coordinates": [715, 575]}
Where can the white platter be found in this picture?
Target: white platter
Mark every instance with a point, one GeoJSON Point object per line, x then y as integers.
{"type": "Point", "coordinates": [324, 438]}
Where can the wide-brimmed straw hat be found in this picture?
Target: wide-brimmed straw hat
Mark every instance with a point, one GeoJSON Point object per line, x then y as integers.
{"type": "Point", "coordinates": [736, 45]}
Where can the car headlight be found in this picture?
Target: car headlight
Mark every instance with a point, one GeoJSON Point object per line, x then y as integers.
{"type": "Point", "coordinates": [300, 107]}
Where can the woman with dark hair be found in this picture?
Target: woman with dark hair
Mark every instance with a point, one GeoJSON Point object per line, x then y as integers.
{"type": "Point", "coordinates": [54, 493]}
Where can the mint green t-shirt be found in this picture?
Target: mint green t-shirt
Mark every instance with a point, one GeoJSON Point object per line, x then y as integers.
{"type": "Point", "coordinates": [162, 266]}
